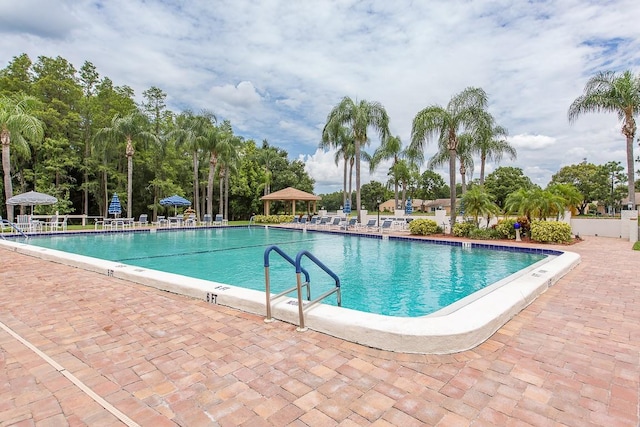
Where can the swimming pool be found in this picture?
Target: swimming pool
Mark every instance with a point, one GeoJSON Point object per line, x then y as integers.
{"type": "Point", "coordinates": [460, 326]}
{"type": "Point", "coordinates": [388, 277]}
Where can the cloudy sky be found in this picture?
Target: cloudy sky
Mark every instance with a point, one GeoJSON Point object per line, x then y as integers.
{"type": "Point", "coordinates": [275, 68]}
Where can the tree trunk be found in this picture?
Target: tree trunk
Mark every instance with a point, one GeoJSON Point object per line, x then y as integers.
{"type": "Point", "coordinates": [130, 151]}
{"type": "Point", "coordinates": [629, 131]}
{"type": "Point", "coordinates": [210, 178]}
{"type": "Point", "coordinates": [221, 179]}
{"type": "Point", "coordinates": [349, 193]}
{"type": "Point", "coordinates": [463, 175]}
{"type": "Point", "coordinates": [196, 186]}
{"type": "Point", "coordinates": [452, 184]}
{"type": "Point", "coordinates": [344, 183]}
{"type": "Point", "coordinates": [483, 160]}
{"type": "Point", "coordinates": [225, 215]}
{"type": "Point", "coordinates": [358, 202]}
{"type": "Point", "coordinates": [5, 137]}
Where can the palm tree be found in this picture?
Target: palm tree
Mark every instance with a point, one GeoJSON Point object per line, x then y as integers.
{"type": "Point", "coordinates": [572, 196]}
{"type": "Point", "coordinates": [228, 157]}
{"type": "Point", "coordinates": [490, 142]}
{"type": "Point", "coordinates": [266, 157]}
{"type": "Point", "coordinates": [478, 203]}
{"type": "Point", "coordinates": [463, 112]}
{"type": "Point", "coordinates": [339, 137]}
{"type": "Point", "coordinates": [390, 148]}
{"type": "Point", "coordinates": [191, 132]}
{"type": "Point", "coordinates": [613, 93]}
{"type": "Point", "coordinates": [212, 143]}
{"type": "Point", "coordinates": [358, 117]}
{"type": "Point", "coordinates": [17, 125]}
{"type": "Point", "coordinates": [535, 203]}
{"type": "Point", "coordinates": [129, 128]}
{"type": "Point", "coordinates": [464, 153]}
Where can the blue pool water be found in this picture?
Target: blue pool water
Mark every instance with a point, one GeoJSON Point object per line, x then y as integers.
{"type": "Point", "coordinates": [389, 277]}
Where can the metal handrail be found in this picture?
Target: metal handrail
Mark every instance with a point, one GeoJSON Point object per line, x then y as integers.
{"type": "Point", "coordinates": [12, 225]}
{"type": "Point", "coordinates": [267, 252]}
{"type": "Point", "coordinates": [299, 285]}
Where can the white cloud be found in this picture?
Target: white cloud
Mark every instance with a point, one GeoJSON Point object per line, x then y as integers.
{"type": "Point", "coordinates": [531, 142]}
{"type": "Point", "coordinates": [243, 95]}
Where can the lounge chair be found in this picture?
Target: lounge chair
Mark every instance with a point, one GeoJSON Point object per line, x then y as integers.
{"type": "Point", "coordinates": [386, 225]}
{"type": "Point", "coordinates": [206, 220]}
{"type": "Point", "coordinates": [161, 221]}
{"type": "Point", "coordinates": [371, 225]}
{"type": "Point", "coordinates": [220, 220]}
{"type": "Point", "coordinates": [314, 221]}
{"type": "Point", "coordinates": [191, 221]}
{"type": "Point", "coordinates": [324, 222]}
{"type": "Point", "coordinates": [351, 224]}
{"type": "Point", "coordinates": [336, 222]}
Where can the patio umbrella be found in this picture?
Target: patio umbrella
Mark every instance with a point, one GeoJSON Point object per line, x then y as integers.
{"type": "Point", "coordinates": [114, 207]}
{"type": "Point", "coordinates": [32, 198]}
{"type": "Point", "coordinates": [409, 208]}
{"type": "Point", "coordinates": [347, 207]}
{"type": "Point", "coordinates": [175, 201]}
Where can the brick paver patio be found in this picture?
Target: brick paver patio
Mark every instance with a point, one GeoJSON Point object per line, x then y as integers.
{"type": "Point", "coordinates": [571, 358]}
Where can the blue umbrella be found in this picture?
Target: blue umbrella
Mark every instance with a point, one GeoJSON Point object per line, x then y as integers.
{"type": "Point", "coordinates": [175, 201]}
{"type": "Point", "coordinates": [347, 207]}
{"type": "Point", "coordinates": [408, 209]}
{"type": "Point", "coordinates": [114, 207]}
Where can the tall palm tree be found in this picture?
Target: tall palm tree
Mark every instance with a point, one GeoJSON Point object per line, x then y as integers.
{"type": "Point", "coordinates": [130, 128]}
{"type": "Point", "coordinates": [464, 154]}
{"type": "Point", "coordinates": [390, 148]}
{"type": "Point", "coordinates": [191, 132]}
{"type": "Point", "coordinates": [491, 144]}
{"type": "Point", "coordinates": [228, 157]}
{"type": "Point", "coordinates": [266, 157]}
{"type": "Point", "coordinates": [17, 125]}
{"type": "Point", "coordinates": [463, 112]}
{"type": "Point", "coordinates": [358, 117]}
{"type": "Point", "coordinates": [613, 93]}
{"type": "Point", "coordinates": [339, 137]}
{"type": "Point", "coordinates": [212, 143]}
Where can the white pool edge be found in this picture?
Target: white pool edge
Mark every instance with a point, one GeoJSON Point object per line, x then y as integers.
{"type": "Point", "coordinates": [456, 331]}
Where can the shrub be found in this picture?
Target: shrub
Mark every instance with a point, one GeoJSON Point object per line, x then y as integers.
{"type": "Point", "coordinates": [550, 232]}
{"type": "Point", "coordinates": [484, 234]}
{"type": "Point", "coordinates": [463, 229]}
{"type": "Point", "coordinates": [504, 228]}
{"type": "Point", "coordinates": [636, 246]}
{"type": "Point", "coordinates": [272, 219]}
{"type": "Point", "coordinates": [525, 226]}
{"type": "Point", "coordinates": [424, 227]}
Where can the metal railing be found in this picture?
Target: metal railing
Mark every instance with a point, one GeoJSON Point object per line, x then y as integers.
{"type": "Point", "coordinates": [299, 283]}
{"type": "Point", "coordinates": [12, 225]}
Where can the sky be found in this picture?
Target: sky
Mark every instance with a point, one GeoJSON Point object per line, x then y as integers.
{"type": "Point", "coordinates": [276, 68]}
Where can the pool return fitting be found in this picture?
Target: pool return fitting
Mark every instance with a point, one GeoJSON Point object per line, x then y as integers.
{"type": "Point", "coordinates": [299, 284]}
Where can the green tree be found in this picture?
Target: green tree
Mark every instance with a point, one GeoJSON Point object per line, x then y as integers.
{"type": "Point", "coordinates": [504, 181]}
{"type": "Point", "coordinates": [340, 137]}
{"type": "Point", "coordinates": [590, 180]}
{"type": "Point", "coordinates": [478, 203]}
{"type": "Point", "coordinates": [17, 125]}
{"type": "Point", "coordinates": [535, 203]}
{"type": "Point", "coordinates": [359, 117]}
{"type": "Point", "coordinates": [491, 144]}
{"type": "Point", "coordinates": [128, 129]}
{"type": "Point", "coordinates": [17, 77]}
{"type": "Point", "coordinates": [462, 113]}
{"type": "Point", "coordinates": [573, 199]}
{"type": "Point", "coordinates": [372, 192]}
{"type": "Point", "coordinates": [464, 154]}
{"type": "Point", "coordinates": [431, 186]}
{"type": "Point", "coordinates": [191, 132]}
{"type": "Point", "coordinates": [390, 148]}
{"type": "Point", "coordinates": [613, 93]}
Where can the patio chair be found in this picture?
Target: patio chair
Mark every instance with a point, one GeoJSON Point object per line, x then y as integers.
{"type": "Point", "coordinates": [220, 220]}
{"type": "Point", "coordinates": [57, 223]}
{"type": "Point", "coordinates": [206, 220]}
{"type": "Point", "coordinates": [336, 222]}
{"type": "Point", "coordinates": [161, 221]}
{"type": "Point", "coordinates": [4, 225]}
{"type": "Point", "coordinates": [371, 225]}
{"type": "Point", "coordinates": [351, 224]}
{"type": "Point", "coordinates": [386, 226]}
{"type": "Point", "coordinates": [142, 221]}
{"type": "Point", "coordinates": [324, 222]}
{"type": "Point", "coordinates": [313, 222]}
{"type": "Point", "coordinates": [191, 221]}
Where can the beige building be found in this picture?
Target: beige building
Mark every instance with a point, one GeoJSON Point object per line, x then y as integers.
{"type": "Point", "coordinates": [419, 205]}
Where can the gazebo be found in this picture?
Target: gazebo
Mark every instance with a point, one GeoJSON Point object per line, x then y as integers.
{"type": "Point", "coordinates": [292, 195]}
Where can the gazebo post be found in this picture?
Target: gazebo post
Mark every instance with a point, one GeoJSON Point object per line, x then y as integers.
{"type": "Point", "coordinates": [293, 207]}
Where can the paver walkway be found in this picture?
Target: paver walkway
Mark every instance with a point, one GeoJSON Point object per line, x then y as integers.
{"type": "Point", "coordinates": [156, 359]}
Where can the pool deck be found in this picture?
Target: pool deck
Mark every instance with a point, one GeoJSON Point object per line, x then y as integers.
{"type": "Point", "coordinates": [82, 348]}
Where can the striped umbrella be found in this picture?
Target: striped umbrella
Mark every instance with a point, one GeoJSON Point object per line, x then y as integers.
{"type": "Point", "coordinates": [347, 207]}
{"type": "Point", "coordinates": [409, 208]}
{"type": "Point", "coordinates": [114, 207]}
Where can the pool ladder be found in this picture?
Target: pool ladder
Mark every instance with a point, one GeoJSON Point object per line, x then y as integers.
{"type": "Point", "coordinates": [15, 227]}
{"type": "Point", "coordinates": [299, 284]}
